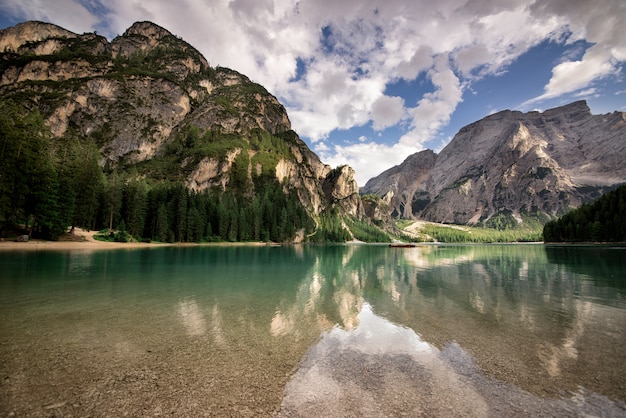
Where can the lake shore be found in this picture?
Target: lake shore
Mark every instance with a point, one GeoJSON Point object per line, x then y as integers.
{"type": "Point", "coordinates": [84, 240]}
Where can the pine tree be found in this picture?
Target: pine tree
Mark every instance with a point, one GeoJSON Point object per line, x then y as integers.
{"type": "Point", "coordinates": [223, 220]}
{"type": "Point", "coordinates": [603, 220]}
{"type": "Point", "coordinates": [181, 214]}
{"type": "Point", "coordinates": [162, 224]}
{"type": "Point", "coordinates": [134, 206]}
{"type": "Point", "coordinates": [87, 185]}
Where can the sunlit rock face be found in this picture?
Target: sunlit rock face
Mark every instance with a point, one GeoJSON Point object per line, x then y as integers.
{"type": "Point", "coordinates": [19, 36]}
{"type": "Point", "coordinates": [341, 188]}
{"type": "Point", "coordinates": [512, 163]}
{"type": "Point", "coordinates": [400, 184]}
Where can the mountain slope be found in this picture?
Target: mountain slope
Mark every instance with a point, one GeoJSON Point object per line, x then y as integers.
{"type": "Point", "coordinates": [152, 103]}
{"type": "Point", "coordinates": [512, 164]}
{"type": "Point", "coordinates": [142, 136]}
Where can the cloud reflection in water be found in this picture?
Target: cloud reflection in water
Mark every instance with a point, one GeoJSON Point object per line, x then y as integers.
{"type": "Point", "coordinates": [379, 368]}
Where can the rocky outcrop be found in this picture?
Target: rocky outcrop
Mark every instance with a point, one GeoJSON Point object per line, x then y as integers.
{"type": "Point", "coordinates": [511, 163]}
{"type": "Point", "coordinates": [20, 38]}
{"type": "Point", "coordinates": [150, 100]}
{"type": "Point", "coordinates": [402, 184]}
{"type": "Point", "coordinates": [341, 190]}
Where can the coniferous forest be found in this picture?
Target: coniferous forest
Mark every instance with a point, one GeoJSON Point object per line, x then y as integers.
{"type": "Point", "coordinates": [49, 185]}
{"type": "Point", "coordinates": [601, 221]}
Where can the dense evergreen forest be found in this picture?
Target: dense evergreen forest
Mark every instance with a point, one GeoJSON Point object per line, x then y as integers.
{"type": "Point", "coordinates": [601, 221]}
{"type": "Point", "coordinates": [49, 185]}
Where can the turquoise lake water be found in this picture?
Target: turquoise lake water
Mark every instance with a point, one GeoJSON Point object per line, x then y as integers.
{"type": "Point", "coordinates": [258, 331]}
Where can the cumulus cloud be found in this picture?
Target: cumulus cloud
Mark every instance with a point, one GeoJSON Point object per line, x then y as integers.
{"type": "Point", "coordinates": [368, 159]}
{"type": "Point", "coordinates": [387, 111]}
{"type": "Point", "coordinates": [471, 57]}
{"type": "Point", "coordinates": [434, 109]}
{"type": "Point", "coordinates": [571, 76]}
{"type": "Point", "coordinates": [69, 14]}
{"type": "Point", "coordinates": [421, 60]}
{"type": "Point", "coordinates": [601, 23]}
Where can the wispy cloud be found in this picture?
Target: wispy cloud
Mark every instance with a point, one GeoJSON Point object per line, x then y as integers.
{"type": "Point", "coordinates": [69, 14]}
{"type": "Point", "coordinates": [600, 23]}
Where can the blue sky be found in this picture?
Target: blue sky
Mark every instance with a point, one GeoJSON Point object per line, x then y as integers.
{"type": "Point", "coordinates": [367, 83]}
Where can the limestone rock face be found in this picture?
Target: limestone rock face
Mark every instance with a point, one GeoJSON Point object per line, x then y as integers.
{"type": "Point", "coordinates": [18, 37]}
{"type": "Point", "coordinates": [341, 189]}
{"type": "Point", "coordinates": [513, 163]}
{"type": "Point", "coordinates": [150, 100]}
{"type": "Point", "coordinates": [402, 184]}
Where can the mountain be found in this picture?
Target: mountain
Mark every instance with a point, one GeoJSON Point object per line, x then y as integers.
{"type": "Point", "coordinates": [156, 110]}
{"type": "Point", "coordinates": [510, 165]}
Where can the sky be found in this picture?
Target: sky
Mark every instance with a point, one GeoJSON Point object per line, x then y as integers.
{"type": "Point", "coordinates": [368, 83]}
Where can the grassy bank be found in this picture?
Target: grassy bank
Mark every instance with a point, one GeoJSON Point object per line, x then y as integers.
{"type": "Point", "coordinates": [432, 232]}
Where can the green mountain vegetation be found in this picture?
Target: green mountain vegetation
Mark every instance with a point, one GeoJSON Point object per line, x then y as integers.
{"type": "Point", "coordinates": [604, 220]}
{"type": "Point", "coordinates": [51, 184]}
{"type": "Point", "coordinates": [528, 231]}
{"type": "Point", "coordinates": [482, 234]}
{"type": "Point", "coordinates": [142, 138]}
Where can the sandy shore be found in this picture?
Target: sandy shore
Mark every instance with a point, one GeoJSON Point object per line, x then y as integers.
{"type": "Point", "coordinates": [85, 241]}
{"type": "Point", "coordinates": [88, 243]}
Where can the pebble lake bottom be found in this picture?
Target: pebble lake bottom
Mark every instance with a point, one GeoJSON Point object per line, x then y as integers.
{"type": "Point", "coordinates": [345, 330]}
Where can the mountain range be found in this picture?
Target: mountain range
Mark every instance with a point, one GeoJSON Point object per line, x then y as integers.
{"type": "Point", "coordinates": [509, 166]}
{"type": "Point", "coordinates": [155, 109]}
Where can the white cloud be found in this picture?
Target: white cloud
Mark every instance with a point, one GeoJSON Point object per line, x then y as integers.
{"type": "Point", "coordinates": [471, 57]}
{"type": "Point", "coordinates": [586, 93]}
{"type": "Point", "coordinates": [387, 111]}
{"type": "Point", "coordinates": [421, 60]}
{"type": "Point", "coordinates": [368, 159]}
{"type": "Point", "coordinates": [434, 109]}
{"type": "Point", "coordinates": [69, 14]}
{"type": "Point", "coordinates": [599, 22]}
{"type": "Point", "coordinates": [570, 76]}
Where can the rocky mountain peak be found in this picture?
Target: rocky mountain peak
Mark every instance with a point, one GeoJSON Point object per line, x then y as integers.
{"type": "Point", "coordinates": [151, 102]}
{"type": "Point", "coordinates": [569, 112]}
{"type": "Point", "coordinates": [341, 189]}
{"type": "Point", "coordinates": [11, 39]}
{"type": "Point", "coordinates": [165, 51]}
{"type": "Point", "coordinates": [148, 29]}
{"type": "Point", "coordinates": [512, 164]}
{"type": "Point", "coordinates": [397, 181]}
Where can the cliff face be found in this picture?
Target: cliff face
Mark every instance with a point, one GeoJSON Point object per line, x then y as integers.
{"type": "Point", "coordinates": [148, 96]}
{"type": "Point", "coordinates": [512, 163]}
{"type": "Point", "coordinates": [400, 184]}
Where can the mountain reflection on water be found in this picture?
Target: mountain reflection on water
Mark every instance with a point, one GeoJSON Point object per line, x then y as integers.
{"type": "Point", "coordinates": [382, 369]}
{"type": "Point", "coordinates": [364, 329]}
{"type": "Point", "coordinates": [527, 318]}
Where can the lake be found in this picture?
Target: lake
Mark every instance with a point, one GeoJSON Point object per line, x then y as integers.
{"type": "Point", "coordinates": [345, 330]}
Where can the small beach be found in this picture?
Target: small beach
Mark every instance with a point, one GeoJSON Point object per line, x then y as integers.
{"type": "Point", "coordinates": [84, 240]}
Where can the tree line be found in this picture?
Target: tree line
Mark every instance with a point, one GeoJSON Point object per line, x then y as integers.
{"type": "Point", "coordinates": [481, 235]}
{"type": "Point", "coordinates": [46, 184]}
{"type": "Point", "coordinates": [601, 221]}
{"type": "Point", "coordinates": [49, 185]}
{"type": "Point", "coordinates": [173, 213]}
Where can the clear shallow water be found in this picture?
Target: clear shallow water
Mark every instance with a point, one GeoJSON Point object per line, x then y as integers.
{"type": "Point", "coordinates": [250, 330]}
